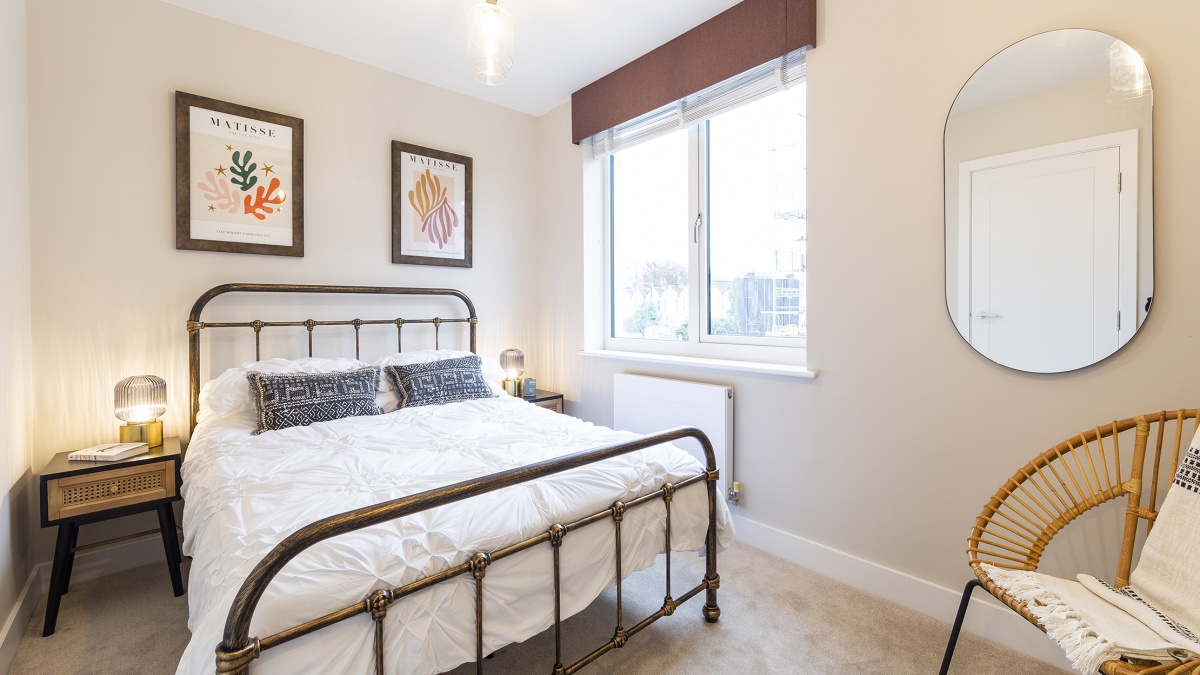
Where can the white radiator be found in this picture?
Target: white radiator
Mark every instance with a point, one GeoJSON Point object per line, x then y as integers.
{"type": "Point", "coordinates": [645, 405]}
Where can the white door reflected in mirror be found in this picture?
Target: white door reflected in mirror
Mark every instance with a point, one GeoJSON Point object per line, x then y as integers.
{"type": "Point", "coordinates": [1049, 237]}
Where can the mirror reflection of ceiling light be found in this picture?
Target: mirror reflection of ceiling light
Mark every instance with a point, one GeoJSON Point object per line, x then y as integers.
{"type": "Point", "coordinates": [1127, 72]}
{"type": "Point", "coordinates": [490, 41]}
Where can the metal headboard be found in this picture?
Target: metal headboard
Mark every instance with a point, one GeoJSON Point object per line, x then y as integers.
{"type": "Point", "coordinates": [194, 325]}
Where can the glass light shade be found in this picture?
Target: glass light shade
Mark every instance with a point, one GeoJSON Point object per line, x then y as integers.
{"type": "Point", "coordinates": [513, 362]}
{"type": "Point", "coordinates": [1127, 72]}
{"type": "Point", "coordinates": [140, 398]}
{"type": "Point", "coordinates": [490, 41]}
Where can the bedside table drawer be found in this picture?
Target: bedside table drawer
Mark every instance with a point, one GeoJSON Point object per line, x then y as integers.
{"type": "Point", "coordinates": [555, 404]}
{"type": "Point", "coordinates": [103, 490]}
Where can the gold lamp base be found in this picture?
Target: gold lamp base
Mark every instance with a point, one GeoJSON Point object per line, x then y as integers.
{"type": "Point", "coordinates": [512, 386]}
{"type": "Point", "coordinates": [149, 433]}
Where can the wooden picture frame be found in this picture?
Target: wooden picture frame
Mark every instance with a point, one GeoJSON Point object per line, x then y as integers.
{"type": "Point", "coordinates": [431, 206]}
{"type": "Point", "coordinates": [256, 203]}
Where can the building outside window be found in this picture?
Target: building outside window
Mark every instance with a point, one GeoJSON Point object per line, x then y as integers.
{"type": "Point", "coordinates": [709, 231]}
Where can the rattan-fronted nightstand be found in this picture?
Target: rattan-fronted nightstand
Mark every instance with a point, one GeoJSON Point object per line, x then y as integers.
{"type": "Point", "coordinates": [77, 493]}
{"type": "Point", "coordinates": [547, 399]}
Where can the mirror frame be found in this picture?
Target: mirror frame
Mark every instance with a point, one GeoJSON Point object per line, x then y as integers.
{"type": "Point", "coordinates": [1151, 257]}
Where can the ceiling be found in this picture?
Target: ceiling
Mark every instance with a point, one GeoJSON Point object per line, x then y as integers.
{"type": "Point", "coordinates": [560, 45]}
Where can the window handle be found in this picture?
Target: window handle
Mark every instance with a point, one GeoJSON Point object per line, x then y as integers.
{"type": "Point", "coordinates": [696, 228]}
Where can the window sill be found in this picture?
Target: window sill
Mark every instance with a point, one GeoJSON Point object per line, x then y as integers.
{"type": "Point", "coordinates": [761, 367]}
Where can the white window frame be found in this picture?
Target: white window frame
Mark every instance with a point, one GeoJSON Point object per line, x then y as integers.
{"type": "Point", "coordinates": [700, 344]}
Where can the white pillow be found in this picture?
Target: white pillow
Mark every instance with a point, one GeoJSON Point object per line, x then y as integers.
{"type": "Point", "coordinates": [229, 392]}
{"type": "Point", "coordinates": [388, 400]}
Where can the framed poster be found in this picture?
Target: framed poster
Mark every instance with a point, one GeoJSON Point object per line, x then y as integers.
{"type": "Point", "coordinates": [431, 206]}
{"type": "Point", "coordinates": [239, 178]}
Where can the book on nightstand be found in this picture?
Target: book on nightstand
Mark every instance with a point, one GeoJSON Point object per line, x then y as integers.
{"type": "Point", "coordinates": [109, 452]}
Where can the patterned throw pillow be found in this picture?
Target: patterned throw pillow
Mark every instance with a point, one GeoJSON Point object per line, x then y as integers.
{"type": "Point", "coordinates": [300, 399]}
{"type": "Point", "coordinates": [439, 382]}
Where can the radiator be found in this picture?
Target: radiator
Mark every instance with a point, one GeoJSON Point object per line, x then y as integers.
{"type": "Point", "coordinates": [645, 405]}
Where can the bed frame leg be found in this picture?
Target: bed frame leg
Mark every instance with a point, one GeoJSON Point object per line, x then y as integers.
{"type": "Point", "coordinates": [958, 622]}
{"type": "Point", "coordinates": [712, 612]}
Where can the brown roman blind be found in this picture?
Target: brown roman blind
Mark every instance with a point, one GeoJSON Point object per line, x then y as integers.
{"type": "Point", "coordinates": [745, 36]}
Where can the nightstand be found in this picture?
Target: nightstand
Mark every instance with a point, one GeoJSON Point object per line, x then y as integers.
{"type": "Point", "coordinates": [78, 493]}
{"type": "Point", "coordinates": [547, 399]}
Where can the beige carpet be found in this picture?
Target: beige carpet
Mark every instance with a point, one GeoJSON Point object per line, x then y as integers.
{"type": "Point", "coordinates": [776, 618]}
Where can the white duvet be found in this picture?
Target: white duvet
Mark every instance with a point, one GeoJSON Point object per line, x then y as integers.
{"type": "Point", "coordinates": [246, 493]}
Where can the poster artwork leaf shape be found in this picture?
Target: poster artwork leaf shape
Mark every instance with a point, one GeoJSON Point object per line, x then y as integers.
{"type": "Point", "coordinates": [263, 198]}
{"type": "Point", "coordinates": [243, 170]}
{"type": "Point", "coordinates": [217, 190]}
{"type": "Point", "coordinates": [441, 222]}
{"type": "Point", "coordinates": [426, 195]}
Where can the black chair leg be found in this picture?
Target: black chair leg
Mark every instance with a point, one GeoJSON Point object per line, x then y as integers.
{"type": "Point", "coordinates": [958, 622]}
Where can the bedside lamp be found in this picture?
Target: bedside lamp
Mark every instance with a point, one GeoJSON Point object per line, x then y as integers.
{"type": "Point", "coordinates": [139, 401]}
{"type": "Point", "coordinates": [513, 363]}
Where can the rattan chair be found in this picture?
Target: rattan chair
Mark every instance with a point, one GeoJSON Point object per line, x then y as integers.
{"type": "Point", "coordinates": [1062, 483]}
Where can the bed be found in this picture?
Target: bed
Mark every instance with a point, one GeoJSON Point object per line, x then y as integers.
{"type": "Point", "coordinates": [428, 537]}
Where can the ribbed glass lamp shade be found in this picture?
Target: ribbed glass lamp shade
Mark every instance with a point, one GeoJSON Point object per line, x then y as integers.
{"type": "Point", "coordinates": [490, 41]}
{"type": "Point", "coordinates": [140, 398]}
{"type": "Point", "coordinates": [513, 362]}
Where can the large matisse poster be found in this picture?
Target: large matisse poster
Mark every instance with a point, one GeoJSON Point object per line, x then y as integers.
{"type": "Point", "coordinates": [431, 206]}
{"type": "Point", "coordinates": [239, 178]}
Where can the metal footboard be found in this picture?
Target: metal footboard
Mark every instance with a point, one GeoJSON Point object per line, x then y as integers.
{"type": "Point", "coordinates": [238, 650]}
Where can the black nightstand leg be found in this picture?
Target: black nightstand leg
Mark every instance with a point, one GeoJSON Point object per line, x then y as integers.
{"type": "Point", "coordinates": [166, 521]}
{"type": "Point", "coordinates": [62, 552]}
{"type": "Point", "coordinates": [66, 585]}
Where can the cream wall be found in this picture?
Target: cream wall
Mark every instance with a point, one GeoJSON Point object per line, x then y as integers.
{"type": "Point", "coordinates": [891, 452]}
{"type": "Point", "coordinates": [888, 455]}
{"type": "Point", "coordinates": [111, 293]}
{"type": "Point", "coordinates": [15, 346]}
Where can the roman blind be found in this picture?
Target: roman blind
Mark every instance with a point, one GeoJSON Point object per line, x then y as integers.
{"type": "Point", "coordinates": [753, 84]}
{"type": "Point", "coordinates": [744, 37]}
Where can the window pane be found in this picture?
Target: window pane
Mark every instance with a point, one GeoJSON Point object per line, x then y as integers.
{"type": "Point", "coordinates": [650, 239]}
{"type": "Point", "coordinates": [756, 222]}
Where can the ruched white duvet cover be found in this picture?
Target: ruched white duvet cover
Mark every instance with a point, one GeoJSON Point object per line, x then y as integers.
{"type": "Point", "coordinates": [245, 493]}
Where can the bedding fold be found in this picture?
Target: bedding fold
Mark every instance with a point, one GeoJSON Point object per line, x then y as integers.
{"type": "Point", "coordinates": [246, 493]}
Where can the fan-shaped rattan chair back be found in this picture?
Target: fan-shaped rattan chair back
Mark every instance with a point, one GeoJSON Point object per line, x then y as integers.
{"type": "Point", "coordinates": [1126, 458]}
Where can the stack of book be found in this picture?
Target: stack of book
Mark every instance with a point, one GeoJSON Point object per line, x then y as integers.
{"type": "Point", "coordinates": [109, 452]}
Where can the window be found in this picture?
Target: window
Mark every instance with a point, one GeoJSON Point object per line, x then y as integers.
{"type": "Point", "coordinates": [707, 236]}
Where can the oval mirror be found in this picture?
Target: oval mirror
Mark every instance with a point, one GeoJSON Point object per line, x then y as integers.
{"type": "Point", "coordinates": [1049, 203]}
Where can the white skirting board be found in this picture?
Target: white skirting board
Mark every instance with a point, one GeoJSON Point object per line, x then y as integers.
{"type": "Point", "coordinates": [18, 618]}
{"type": "Point", "coordinates": [991, 621]}
{"type": "Point", "coordinates": [89, 565]}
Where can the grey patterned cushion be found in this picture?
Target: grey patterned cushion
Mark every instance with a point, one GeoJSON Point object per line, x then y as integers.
{"type": "Point", "coordinates": [300, 399]}
{"type": "Point", "coordinates": [438, 382]}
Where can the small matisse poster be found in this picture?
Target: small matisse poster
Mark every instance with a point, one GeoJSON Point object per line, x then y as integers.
{"type": "Point", "coordinates": [242, 177]}
{"type": "Point", "coordinates": [431, 206]}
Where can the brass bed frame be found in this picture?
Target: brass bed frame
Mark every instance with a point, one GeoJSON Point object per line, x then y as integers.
{"type": "Point", "coordinates": [237, 650]}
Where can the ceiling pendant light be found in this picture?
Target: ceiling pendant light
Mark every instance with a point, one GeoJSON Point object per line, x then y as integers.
{"type": "Point", "coordinates": [490, 41]}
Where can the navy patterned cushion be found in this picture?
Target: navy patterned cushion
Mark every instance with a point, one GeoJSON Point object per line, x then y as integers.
{"type": "Point", "coordinates": [438, 382]}
{"type": "Point", "coordinates": [300, 399]}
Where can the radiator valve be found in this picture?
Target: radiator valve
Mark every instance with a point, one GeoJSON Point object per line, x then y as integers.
{"type": "Point", "coordinates": [735, 493]}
